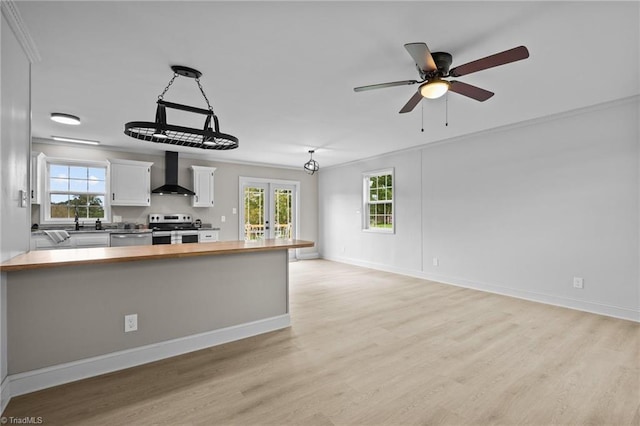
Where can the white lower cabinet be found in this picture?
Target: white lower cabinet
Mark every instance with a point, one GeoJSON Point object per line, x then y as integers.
{"type": "Point", "coordinates": [82, 240]}
{"type": "Point", "coordinates": [43, 242]}
{"type": "Point", "coordinates": [90, 240]}
{"type": "Point", "coordinates": [207, 235]}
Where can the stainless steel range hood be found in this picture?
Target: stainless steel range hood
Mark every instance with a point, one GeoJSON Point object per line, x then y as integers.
{"type": "Point", "coordinates": [171, 177]}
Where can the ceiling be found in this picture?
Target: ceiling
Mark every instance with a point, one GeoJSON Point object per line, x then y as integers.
{"type": "Point", "coordinates": [280, 75]}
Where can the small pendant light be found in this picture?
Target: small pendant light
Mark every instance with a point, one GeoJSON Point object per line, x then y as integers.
{"type": "Point", "coordinates": [312, 165]}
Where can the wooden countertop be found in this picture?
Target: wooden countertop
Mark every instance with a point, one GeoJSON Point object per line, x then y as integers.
{"type": "Point", "coordinates": [87, 256]}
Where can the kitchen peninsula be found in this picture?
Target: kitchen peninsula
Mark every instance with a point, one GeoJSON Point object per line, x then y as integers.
{"type": "Point", "coordinates": [66, 308]}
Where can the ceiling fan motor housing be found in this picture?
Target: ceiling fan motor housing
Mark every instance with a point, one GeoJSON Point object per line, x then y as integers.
{"type": "Point", "coordinates": [443, 62]}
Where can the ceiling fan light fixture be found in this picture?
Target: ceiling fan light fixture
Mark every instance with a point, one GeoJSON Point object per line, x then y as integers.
{"type": "Point", "coordinates": [434, 89]}
{"type": "Point", "coordinates": [312, 165]}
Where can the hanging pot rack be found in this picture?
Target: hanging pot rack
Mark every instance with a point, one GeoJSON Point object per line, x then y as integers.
{"type": "Point", "coordinates": [162, 132]}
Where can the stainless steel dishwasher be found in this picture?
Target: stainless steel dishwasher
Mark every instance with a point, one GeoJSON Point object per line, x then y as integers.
{"type": "Point", "coordinates": [123, 239]}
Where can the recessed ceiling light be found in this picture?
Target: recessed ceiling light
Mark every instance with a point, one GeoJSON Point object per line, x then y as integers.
{"type": "Point", "coordinates": [60, 117]}
{"type": "Point", "coordinates": [73, 140]}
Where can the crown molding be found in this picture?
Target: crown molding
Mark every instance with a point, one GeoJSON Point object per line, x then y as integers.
{"type": "Point", "coordinates": [547, 118]}
{"type": "Point", "coordinates": [14, 19]}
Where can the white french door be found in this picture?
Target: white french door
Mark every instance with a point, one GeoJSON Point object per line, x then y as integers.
{"type": "Point", "coordinates": [268, 209]}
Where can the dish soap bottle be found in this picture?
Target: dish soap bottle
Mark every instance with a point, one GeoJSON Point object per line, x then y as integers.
{"type": "Point", "coordinates": [98, 225]}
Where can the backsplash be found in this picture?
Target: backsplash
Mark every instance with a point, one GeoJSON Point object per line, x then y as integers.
{"type": "Point", "coordinates": [159, 204]}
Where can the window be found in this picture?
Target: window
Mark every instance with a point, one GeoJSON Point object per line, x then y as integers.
{"type": "Point", "coordinates": [75, 187]}
{"type": "Point", "coordinates": [378, 201]}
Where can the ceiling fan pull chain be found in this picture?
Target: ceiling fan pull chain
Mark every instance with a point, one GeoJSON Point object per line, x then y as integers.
{"type": "Point", "coordinates": [422, 104]}
{"type": "Point", "coordinates": [161, 96]}
{"type": "Point", "coordinates": [446, 110]}
{"type": "Point", "coordinates": [203, 95]}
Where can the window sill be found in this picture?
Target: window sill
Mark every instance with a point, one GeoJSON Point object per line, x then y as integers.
{"type": "Point", "coordinates": [379, 231]}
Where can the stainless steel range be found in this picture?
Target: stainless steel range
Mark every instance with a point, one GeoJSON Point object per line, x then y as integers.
{"type": "Point", "coordinates": [174, 228]}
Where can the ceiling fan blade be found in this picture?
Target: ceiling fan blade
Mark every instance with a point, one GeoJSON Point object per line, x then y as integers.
{"type": "Point", "coordinates": [421, 54]}
{"type": "Point", "coordinates": [383, 85]}
{"type": "Point", "coordinates": [409, 106]}
{"type": "Point", "coordinates": [506, 57]}
{"type": "Point", "coordinates": [470, 91]}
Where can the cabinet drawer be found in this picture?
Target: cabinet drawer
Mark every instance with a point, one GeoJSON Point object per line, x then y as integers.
{"type": "Point", "coordinates": [207, 236]}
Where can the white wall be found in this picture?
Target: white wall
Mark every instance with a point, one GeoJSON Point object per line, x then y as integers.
{"type": "Point", "coordinates": [226, 180]}
{"type": "Point", "coordinates": [341, 236]}
{"type": "Point", "coordinates": [519, 211]}
{"type": "Point", "coordinates": [14, 168]}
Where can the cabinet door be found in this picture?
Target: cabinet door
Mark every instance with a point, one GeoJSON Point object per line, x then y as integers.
{"type": "Point", "coordinates": [202, 186]}
{"type": "Point", "coordinates": [130, 183]}
{"type": "Point", "coordinates": [42, 242]}
{"type": "Point", "coordinates": [90, 240]}
{"type": "Point", "coordinates": [37, 161]}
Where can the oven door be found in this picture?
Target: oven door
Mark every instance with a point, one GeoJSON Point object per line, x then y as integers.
{"type": "Point", "coordinates": [161, 237]}
{"type": "Point", "coordinates": [184, 237]}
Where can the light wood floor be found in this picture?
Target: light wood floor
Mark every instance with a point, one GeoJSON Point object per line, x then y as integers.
{"type": "Point", "coordinates": [370, 348]}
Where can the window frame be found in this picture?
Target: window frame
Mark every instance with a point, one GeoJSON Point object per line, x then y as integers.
{"type": "Point", "coordinates": [366, 203]}
{"type": "Point", "coordinates": [45, 206]}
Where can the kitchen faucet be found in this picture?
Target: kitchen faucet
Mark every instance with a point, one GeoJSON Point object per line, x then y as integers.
{"type": "Point", "coordinates": [76, 220]}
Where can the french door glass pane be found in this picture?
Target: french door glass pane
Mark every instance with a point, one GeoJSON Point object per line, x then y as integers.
{"type": "Point", "coordinates": [254, 210]}
{"type": "Point", "coordinates": [283, 213]}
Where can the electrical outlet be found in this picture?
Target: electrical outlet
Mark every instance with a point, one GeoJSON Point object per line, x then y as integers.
{"type": "Point", "coordinates": [234, 210]}
{"type": "Point", "coordinates": [436, 262]}
{"type": "Point", "coordinates": [223, 219]}
{"type": "Point", "coordinates": [130, 323]}
{"type": "Point", "coordinates": [578, 282]}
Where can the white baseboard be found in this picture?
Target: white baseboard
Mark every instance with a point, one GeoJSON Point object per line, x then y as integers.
{"type": "Point", "coordinates": [32, 381]}
{"type": "Point", "coordinates": [565, 302]}
{"type": "Point", "coordinates": [308, 256]}
{"type": "Point", "coordinates": [5, 394]}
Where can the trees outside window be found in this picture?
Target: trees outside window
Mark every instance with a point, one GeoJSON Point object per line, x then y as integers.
{"type": "Point", "coordinates": [378, 209]}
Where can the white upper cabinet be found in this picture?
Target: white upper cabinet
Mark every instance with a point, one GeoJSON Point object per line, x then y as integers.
{"type": "Point", "coordinates": [130, 183]}
{"type": "Point", "coordinates": [202, 186]}
{"type": "Point", "coordinates": [37, 169]}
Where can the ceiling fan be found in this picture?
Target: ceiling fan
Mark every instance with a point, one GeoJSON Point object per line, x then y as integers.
{"type": "Point", "coordinates": [434, 68]}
